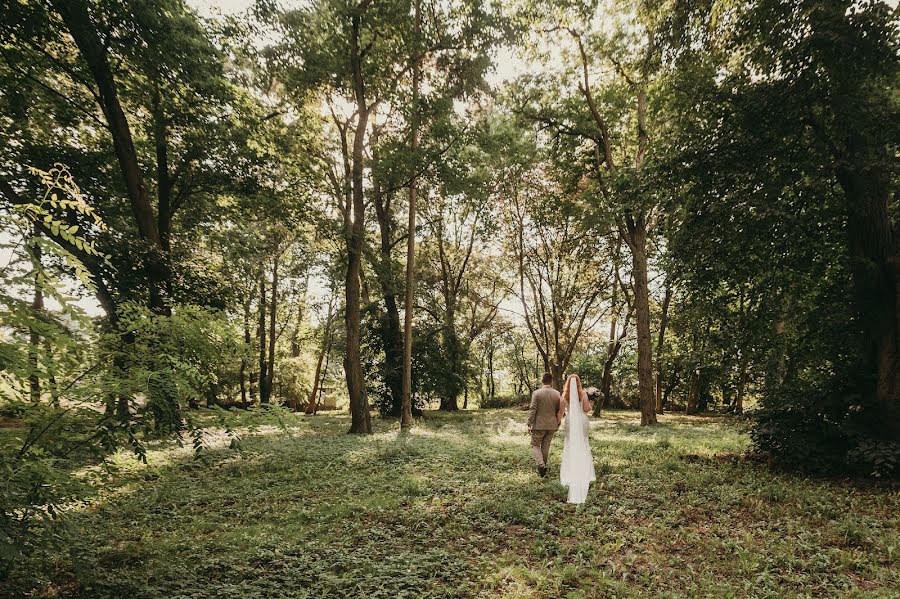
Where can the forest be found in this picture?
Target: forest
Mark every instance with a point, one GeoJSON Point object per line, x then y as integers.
{"type": "Point", "coordinates": [234, 231]}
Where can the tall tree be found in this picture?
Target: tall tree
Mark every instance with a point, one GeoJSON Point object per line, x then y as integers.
{"type": "Point", "coordinates": [406, 408]}
{"type": "Point", "coordinates": [811, 181]}
{"type": "Point", "coordinates": [561, 267]}
{"type": "Point", "coordinates": [612, 124]}
{"type": "Point", "coordinates": [351, 57]}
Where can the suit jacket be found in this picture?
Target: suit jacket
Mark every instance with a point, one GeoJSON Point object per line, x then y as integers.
{"type": "Point", "coordinates": [543, 410]}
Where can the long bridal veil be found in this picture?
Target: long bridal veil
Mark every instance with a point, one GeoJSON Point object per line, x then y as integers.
{"type": "Point", "coordinates": [577, 467]}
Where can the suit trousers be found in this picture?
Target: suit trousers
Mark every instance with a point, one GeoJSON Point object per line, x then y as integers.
{"type": "Point", "coordinates": [540, 446]}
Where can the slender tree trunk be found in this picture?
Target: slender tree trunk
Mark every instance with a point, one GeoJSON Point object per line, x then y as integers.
{"type": "Point", "coordinates": [614, 321]}
{"type": "Point", "coordinates": [671, 383]}
{"type": "Point", "coordinates": [490, 361]}
{"type": "Point", "coordinates": [659, 347]}
{"type": "Point", "coordinates": [51, 374]}
{"type": "Point", "coordinates": [775, 364]}
{"type": "Point", "coordinates": [742, 384]}
{"type": "Point", "coordinates": [273, 311]}
{"type": "Point", "coordinates": [261, 334]}
{"type": "Point", "coordinates": [311, 404]}
{"type": "Point", "coordinates": [323, 347]}
{"type": "Point", "coordinates": [359, 404]}
{"type": "Point", "coordinates": [324, 371]}
{"type": "Point", "coordinates": [612, 353]}
{"type": "Point", "coordinates": [163, 192]}
{"type": "Point", "coordinates": [247, 340]}
{"type": "Point", "coordinates": [606, 381]}
{"type": "Point", "coordinates": [406, 412]}
{"type": "Point", "coordinates": [637, 240]}
{"type": "Point", "coordinates": [163, 180]}
{"type": "Point", "coordinates": [37, 306]}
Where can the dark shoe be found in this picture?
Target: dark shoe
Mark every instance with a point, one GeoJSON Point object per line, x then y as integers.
{"type": "Point", "coordinates": [542, 471]}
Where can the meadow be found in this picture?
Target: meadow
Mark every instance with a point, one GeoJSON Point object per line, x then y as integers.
{"type": "Point", "coordinates": [292, 506]}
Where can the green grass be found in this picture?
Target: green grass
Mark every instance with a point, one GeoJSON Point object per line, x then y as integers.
{"type": "Point", "coordinates": [454, 509]}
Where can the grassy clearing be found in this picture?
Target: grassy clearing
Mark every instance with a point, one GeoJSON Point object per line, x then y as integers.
{"type": "Point", "coordinates": [454, 509]}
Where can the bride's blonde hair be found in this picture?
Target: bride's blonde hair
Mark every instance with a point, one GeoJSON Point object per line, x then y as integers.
{"type": "Point", "coordinates": [569, 383]}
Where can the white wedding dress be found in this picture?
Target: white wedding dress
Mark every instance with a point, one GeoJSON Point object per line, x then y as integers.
{"type": "Point", "coordinates": [577, 468]}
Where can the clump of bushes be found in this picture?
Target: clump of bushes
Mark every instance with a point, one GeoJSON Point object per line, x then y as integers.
{"type": "Point", "coordinates": [824, 427]}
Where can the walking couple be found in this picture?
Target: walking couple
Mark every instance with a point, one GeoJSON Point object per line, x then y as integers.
{"type": "Point", "coordinates": [547, 411]}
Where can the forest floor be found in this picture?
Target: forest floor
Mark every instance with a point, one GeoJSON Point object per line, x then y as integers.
{"type": "Point", "coordinates": [298, 508]}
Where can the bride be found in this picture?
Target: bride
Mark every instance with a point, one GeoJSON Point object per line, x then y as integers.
{"type": "Point", "coordinates": [577, 468]}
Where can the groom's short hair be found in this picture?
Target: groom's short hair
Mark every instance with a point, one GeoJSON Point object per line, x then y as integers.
{"type": "Point", "coordinates": [547, 379]}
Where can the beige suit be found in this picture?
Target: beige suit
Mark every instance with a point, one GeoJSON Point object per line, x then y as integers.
{"type": "Point", "coordinates": [542, 420]}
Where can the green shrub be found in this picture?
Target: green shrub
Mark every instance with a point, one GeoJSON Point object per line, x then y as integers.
{"type": "Point", "coordinates": [826, 428]}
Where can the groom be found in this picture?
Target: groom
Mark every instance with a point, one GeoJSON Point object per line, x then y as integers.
{"type": "Point", "coordinates": [543, 422]}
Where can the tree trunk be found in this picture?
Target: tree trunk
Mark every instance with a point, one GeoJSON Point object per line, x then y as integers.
{"type": "Point", "coordinates": [742, 384]}
{"type": "Point", "coordinates": [78, 21]}
{"type": "Point", "coordinates": [611, 354]}
{"type": "Point", "coordinates": [452, 356]}
{"type": "Point", "coordinates": [693, 393]}
{"type": "Point", "coordinates": [775, 364]}
{"type": "Point", "coordinates": [359, 404]}
{"type": "Point", "coordinates": [243, 371]}
{"type": "Point", "coordinates": [261, 334]}
{"type": "Point", "coordinates": [311, 406]}
{"type": "Point", "coordinates": [51, 373]}
{"type": "Point", "coordinates": [406, 404]}
{"type": "Point", "coordinates": [875, 265]}
{"type": "Point", "coordinates": [671, 383]}
{"type": "Point", "coordinates": [389, 320]}
{"type": "Point", "coordinates": [490, 361]}
{"type": "Point", "coordinates": [273, 310]}
{"type": "Point", "coordinates": [558, 371]}
{"type": "Point", "coordinates": [163, 189]}
{"type": "Point", "coordinates": [614, 321]}
{"type": "Point", "coordinates": [637, 241]}
{"type": "Point", "coordinates": [392, 339]}
{"type": "Point", "coordinates": [324, 371]}
{"type": "Point", "coordinates": [247, 339]}
{"type": "Point", "coordinates": [659, 346]}
{"type": "Point", "coordinates": [702, 393]}
{"type": "Point", "coordinates": [37, 306]}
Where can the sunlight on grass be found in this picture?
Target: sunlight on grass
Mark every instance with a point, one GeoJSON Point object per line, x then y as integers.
{"type": "Point", "coordinates": [453, 508]}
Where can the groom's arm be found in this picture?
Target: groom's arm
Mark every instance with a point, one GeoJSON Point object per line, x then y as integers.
{"type": "Point", "coordinates": [532, 412]}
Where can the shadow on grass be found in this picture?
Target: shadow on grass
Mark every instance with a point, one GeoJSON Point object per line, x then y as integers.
{"type": "Point", "coordinates": [452, 508]}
